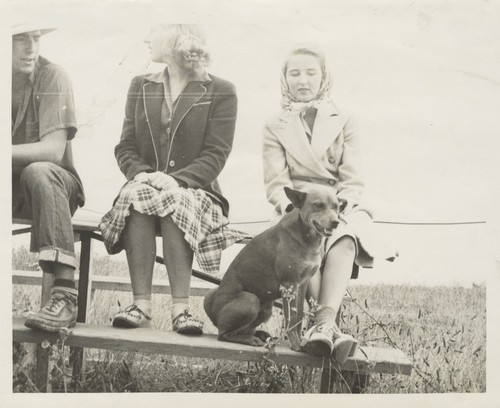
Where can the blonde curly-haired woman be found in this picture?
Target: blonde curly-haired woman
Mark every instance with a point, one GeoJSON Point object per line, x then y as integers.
{"type": "Point", "coordinates": [177, 135]}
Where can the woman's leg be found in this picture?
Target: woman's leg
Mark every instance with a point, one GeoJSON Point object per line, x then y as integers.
{"type": "Point", "coordinates": [328, 287]}
{"type": "Point", "coordinates": [337, 273]}
{"type": "Point", "coordinates": [139, 238]}
{"type": "Point", "coordinates": [325, 337]}
{"type": "Point", "coordinates": [178, 257]}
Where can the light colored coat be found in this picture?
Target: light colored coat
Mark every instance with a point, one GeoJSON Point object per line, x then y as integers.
{"type": "Point", "coordinates": [331, 159]}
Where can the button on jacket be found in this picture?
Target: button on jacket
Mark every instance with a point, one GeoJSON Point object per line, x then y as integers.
{"type": "Point", "coordinates": [201, 132]}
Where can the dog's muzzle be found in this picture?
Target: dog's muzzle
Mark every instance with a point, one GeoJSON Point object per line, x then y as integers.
{"type": "Point", "coordinates": [326, 232]}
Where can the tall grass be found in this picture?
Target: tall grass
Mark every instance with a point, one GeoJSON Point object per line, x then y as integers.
{"type": "Point", "coordinates": [441, 329]}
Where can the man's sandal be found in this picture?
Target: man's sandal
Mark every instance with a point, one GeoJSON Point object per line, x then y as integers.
{"type": "Point", "coordinates": [185, 323]}
{"type": "Point", "coordinates": [131, 317]}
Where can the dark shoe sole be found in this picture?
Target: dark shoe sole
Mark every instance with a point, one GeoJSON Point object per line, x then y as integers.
{"type": "Point", "coordinates": [190, 331]}
{"type": "Point", "coordinates": [37, 325]}
{"type": "Point", "coordinates": [124, 323]}
{"type": "Point", "coordinates": [317, 348]}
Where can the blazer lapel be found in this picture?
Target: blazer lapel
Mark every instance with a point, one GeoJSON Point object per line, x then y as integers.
{"type": "Point", "coordinates": [192, 93]}
{"type": "Point", "coordinates": [290, 132]}
{"type": "Point", "coordinates": [327, 127]}
{"type": "Point", "coordinates": [153, 97]}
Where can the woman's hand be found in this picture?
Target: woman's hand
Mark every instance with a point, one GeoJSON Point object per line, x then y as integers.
{"type": "Point", "coordinates": [162, 181]}
{"type": "Point", "coordinates": [142, 177]}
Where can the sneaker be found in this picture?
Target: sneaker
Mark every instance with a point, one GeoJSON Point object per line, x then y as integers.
{"type": "Point", "coordinates": [131, 317]}
{"type": "Point", "coordinates": [344, 346]}
{"type": "Point", "coordinates": [60, 311]}
{"type": "Point", "coordinates": [327, 340]}
{"type": "Point", "coordinates": [318, 340]}
{"type": "Point", "coordinates": [185, 323]}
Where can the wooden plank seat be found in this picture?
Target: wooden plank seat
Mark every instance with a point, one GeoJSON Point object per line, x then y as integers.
{"type": "Point", "coordinates": [366, 360]}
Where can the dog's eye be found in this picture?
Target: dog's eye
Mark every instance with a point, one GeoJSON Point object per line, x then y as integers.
{"type": "Point", "coordinates": [319, 206]}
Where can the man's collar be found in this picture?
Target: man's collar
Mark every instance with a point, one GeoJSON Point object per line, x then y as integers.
{"type": "Point", "coordinates": [159, 77]}
{"type": "Point", "coordinates": [40, 63]}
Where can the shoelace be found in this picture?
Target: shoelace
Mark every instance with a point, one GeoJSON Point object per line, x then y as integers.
{"type": "Point", "coordinates": [55, 301]}
{"type": "Point", "coordinates": [185, 316]}
{"type": "Point", "coordinates": [327, 329]}
{"type": "Point", "coordinates": [135, 308]}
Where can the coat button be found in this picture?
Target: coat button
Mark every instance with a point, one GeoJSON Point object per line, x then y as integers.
{"type": "Point", "coordinates": [172, 163]}
{"type": "Point", "coordinates": [331, 182]}
{"type": "Point", "coordinates": [331, 160]}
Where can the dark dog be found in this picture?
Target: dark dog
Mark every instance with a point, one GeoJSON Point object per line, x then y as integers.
{"type": "Point", "coordinates": [285, 256]}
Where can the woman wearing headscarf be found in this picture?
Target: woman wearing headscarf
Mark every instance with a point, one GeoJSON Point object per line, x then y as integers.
{"type": "Point", "coordinates": [176, 137]}
{"type": "Point", "coordinates": [312, 142]}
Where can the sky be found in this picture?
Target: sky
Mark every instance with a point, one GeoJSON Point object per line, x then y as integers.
{"type": "Point", "coordinates": [421, 78]}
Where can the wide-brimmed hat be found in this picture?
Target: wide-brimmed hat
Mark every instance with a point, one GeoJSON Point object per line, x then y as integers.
{"type": "Point", "coordinates": [27, 27]}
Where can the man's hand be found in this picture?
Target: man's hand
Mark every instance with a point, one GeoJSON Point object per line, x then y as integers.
{"type": "Point", "coordinates": [50, 149]}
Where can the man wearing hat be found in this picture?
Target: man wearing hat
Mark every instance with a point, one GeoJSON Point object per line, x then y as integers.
{"type": "Point", "coordinates": [45, 185]}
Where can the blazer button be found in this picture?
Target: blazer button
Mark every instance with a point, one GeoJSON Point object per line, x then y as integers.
{"type": "Point", "coordinates": [172, 163]}
{"type": "Point", "coordinates": [331, 182]}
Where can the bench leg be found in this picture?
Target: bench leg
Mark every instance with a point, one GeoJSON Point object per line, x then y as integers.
{"type": "Point", "coordinates": [43, 364]}
{"type": "Point", "coordinates": [359, 382]}
{"type": "Point", "coordinates": [343, 382]}
{"type": "Point", "coordinates": [43, 368]}
{"type": "Point", "coordinates": [76, 353]}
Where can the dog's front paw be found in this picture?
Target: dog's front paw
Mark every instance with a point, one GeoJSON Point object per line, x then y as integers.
{"type": "Point", "coordinates": [262, 335]}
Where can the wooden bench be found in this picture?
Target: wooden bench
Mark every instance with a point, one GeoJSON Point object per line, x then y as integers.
{"type": "Point", "coordinates": [367, 360]}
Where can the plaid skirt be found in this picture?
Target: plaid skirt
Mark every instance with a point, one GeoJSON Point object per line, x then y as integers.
{"type": "Point", "coordinates": [192, 210]}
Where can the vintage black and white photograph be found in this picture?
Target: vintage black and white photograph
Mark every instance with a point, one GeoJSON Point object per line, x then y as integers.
{"type": "Point", "coordinates": [260, 197]}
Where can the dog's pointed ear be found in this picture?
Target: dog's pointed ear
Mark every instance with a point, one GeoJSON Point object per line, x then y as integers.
{"type": "Point", "coordinates": [296, 197]}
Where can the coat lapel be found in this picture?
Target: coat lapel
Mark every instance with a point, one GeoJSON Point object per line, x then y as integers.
{"type": "Point", "coordinates": [153, 97]}
{"type": "Point", "coordinates": [191, 94]}
{"type": "Point", "coordinates": [290, 132]}
{"type": "Point", "coordinates": [327, 127]}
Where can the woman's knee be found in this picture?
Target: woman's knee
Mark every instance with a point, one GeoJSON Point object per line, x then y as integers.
{"type": "Point", "coordinates": [170, 230]}
{"type": "Point", "coordinates": [139, 225]}
{"type": "Point", "coordinates": [346, 245]}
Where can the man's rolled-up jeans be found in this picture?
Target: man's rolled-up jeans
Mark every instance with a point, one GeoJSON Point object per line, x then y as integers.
{"type": "Point", "coordinates": [47, 194]}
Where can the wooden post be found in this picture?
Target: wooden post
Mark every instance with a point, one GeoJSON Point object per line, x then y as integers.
{"type": "Point", "coordinates": [43, 366]}
{"type": "Point", "coordinates": [325, 385]}
{"type": "Point", "coordinates": [84, 281]}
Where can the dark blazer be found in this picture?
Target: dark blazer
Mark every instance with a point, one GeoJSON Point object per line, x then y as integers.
{"type": "Point", "coordinates": [201, 132]}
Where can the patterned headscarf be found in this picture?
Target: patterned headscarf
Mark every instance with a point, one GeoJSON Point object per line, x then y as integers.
{"type": "Point", "coordinates": [288, 101]}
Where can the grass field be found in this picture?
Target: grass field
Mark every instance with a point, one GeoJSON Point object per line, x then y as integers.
{"type": "Point", "coordinates": [441, 329]}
